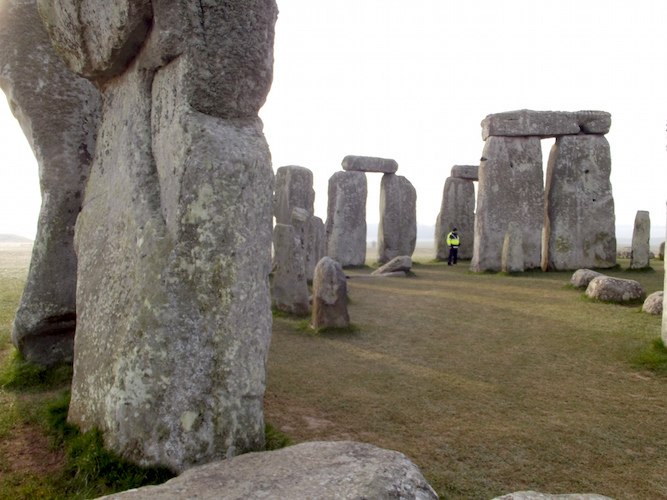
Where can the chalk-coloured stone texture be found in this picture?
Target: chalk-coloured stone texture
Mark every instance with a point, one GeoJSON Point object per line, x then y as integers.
{"type": "Point", "coordinates": [582, 277]}
{"type": "Point", "coordinates": [400, 263]}
{"type": "Point", "coordinates": [369, 164]}
{"type": "Point", "coordinates": [653, 303]}
{"type": "Point", "coordinates": [616, 289]}
{"type": "Point", "coordinates": [526, 122]}
{"type": "Point", "coordinates": [510, 190]}
{"type": "Point", "coordinates": [293, 189]}
{"type": "Point", "coordinates": [579, 223]}
{"type": "Point", "coordinates": [59, 113]}
{"type": "Point", "coordinates": [329, 295]}
{"type": "Point", "coordinates": [512, 260]}
{"type": "Point", "coordinates": [640, 241]}
{"type": "Point", "coordinates": [290, 287]}
{"type": "Point", "coordinates": [346, 218]}
{"type": "Point", "coordinates": [456, 211]}
{"type": "Point", "coordinates": [397, 231]}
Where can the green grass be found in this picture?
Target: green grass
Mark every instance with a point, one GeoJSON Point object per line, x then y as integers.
{"type": "Point", "coordinates": [653, 357]}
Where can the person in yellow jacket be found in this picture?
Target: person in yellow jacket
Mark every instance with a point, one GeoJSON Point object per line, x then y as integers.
{"type": "Point", "coordinates": [453, 244]}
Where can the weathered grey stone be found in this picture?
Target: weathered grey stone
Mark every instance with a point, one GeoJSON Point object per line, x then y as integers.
{"type": "Point", "coordinates": [400, 263]}
{"type": "Point", "coordinates": [512, 259]}
{"type": "Point", "coordinates": [579, 223]}
{"type": "Point", "coordinates": [534, 495]}
{"type": "Point", "coordinates": [393, 274]}
{"type": "Point", "coordinates": [369, 164]}
{"type": "Point", "coordinates": [329, 295]}
{"type": "Point", "coordinates": [290, 288]}
{"type": "Point", "coordinates": [653, 303]}
{"type": "Point", "coordinates": [323, 470]}
{"type": "Point", "coordinates": [456, 211]}
{"type": "Point", "coordinates": [467, 172]}
{"type": "Point", "coordinates": [510, 190]}
{"type": "Point", "coordinates": [346, 218]}
{"type": "Point", "coordinates": [526, 122]}
{"type": "Point", "coordinates": [624, 253]}
{"type": "Point", "coordinates": [293, 189]}
{"type": "Point", "coordinates": [397, 231]}
{"type": "Point", "coordinates": [174, 236]}
{"type": "Point", "coordinates": [661, 251]}
{"type": "Point", "coordinates": [617, 289]}
{"type": "Point", "coordinates": [640, 241]}
{"type": "Point", "coordinates": [582, 277]}
{"type": "Point", "coordinates": [310, 230]}
{"type": "Point", "coordinates": [59, 114]}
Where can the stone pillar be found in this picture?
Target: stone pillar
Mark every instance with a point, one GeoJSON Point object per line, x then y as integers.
{"type": "Point", "coordinates": [329, 295]}
{"type": "Point", "coordinates": [174, 237]}
{"type": "Point", "coordinates": [510, 190]}
{"type": "Point", "coordinates": [640, 241]}
{"type": "Point", "coordinates": [579, 224]}
{"type": "Point", "coordinates": [346, 218]}
{"type": "Point", "coordinates": [397, 232]}
{"type": "Point", "coordinates": [512, 261]}
{"type": "Point", "coordinates": [664, 308]}
{"type": "Point", "coordinates": [290, 288]}
{"type": "Point", "coordinates": [59, 113]}
{"type": "Point", "coordinates": [310, 231]}
{"type": "Point", "coordinates": [293, 188]}
{"type": "Point", "coordinates": [456, 211]}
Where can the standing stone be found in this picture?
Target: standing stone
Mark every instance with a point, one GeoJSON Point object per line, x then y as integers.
{"type": "Point", "coordinates": [579, 224]}
{"type": "Point", "coordinates": [456, 211]}
{"type": "Point", "coordinates": [661, 251]}
{"type": "Point", "coordinates": [397, 232]}
{"type": "Point", "coordinates": [59, 114]}
{"type": "Point", "coordinates": [310, 231]}
{"type": "Point", "coordinates": [369, 164]}
{"type": "Point", "coordinates": [640, 241]}
{"type": "Point", "coordinates": [329, 295]}
{"type": "Point", "coordinates": [293, 188]}
{"type": "Point", "coordinates": [174, 237]}
{"type": "Point", "coordinates": [290, 288]}
{"type": "Point", "coordinates": [512, 260]}
{"type": "Point", "coordinates": [346, 218]}
{"type": "Point", "coordinates": [510, 190]}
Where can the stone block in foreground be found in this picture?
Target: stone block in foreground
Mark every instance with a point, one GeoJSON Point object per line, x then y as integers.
{"type": "Point", "coordinates": [322, 470]}
{"type": "Point", "coordinates": [582, 277]}
{"type": "Point", "coordinates": [618, 289]}
{"type": "Point", "coordinates": [369, 164]}
{"type": "Point", "coordinates": [653, 303]}
{"type": "Point", "coordinates": [526, 122]}
{"type": "Point", "coordinates": [329, 295]}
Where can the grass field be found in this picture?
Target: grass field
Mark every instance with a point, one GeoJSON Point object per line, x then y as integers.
{"type": "Point", "coordinates": [489, 383]}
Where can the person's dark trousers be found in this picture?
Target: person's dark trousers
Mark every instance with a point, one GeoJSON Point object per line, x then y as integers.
{"type": "Point", "coordinates": [453, 255]}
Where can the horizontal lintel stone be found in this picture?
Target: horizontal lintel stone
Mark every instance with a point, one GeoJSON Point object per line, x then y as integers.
{"type": "Point", "coordinates": [467, 172]}
{"type": "Point", "coordinates": [369, 164]}
{"type": "Point", "coordinates": [526, 123]}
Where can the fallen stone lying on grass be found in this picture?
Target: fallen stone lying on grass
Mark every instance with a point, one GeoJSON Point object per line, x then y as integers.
{"type": "Point", "coordinates": [653, 303]}
{"type": "Point", "coordinates": [400, 263]}
{"type": "Point", "coordinates": [617, 289]}
{"type": "Point", "coordinates": [534, 495]}
{"type": "Point", "coordinates": [395, 274]}
{"type": "Point", "coordinates": [310, 470]}
{"type": "Point", "coordinates": [582, 277]}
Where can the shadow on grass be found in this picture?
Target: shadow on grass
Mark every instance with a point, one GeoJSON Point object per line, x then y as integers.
{"type": "Point", "coordinates": [652, 357]}
{"type": "Point", "coordinates": [19, 375]}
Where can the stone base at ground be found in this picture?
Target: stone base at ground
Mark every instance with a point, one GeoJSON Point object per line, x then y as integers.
{"type": "Point", "coordinates": [401, 263]}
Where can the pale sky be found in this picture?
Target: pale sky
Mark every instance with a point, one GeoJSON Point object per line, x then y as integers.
{"type": "Point", "coordinates": [412, 80]}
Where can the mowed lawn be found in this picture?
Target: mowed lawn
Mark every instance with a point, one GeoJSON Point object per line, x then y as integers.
{"type": "Point", "coordinates": [489, 383]}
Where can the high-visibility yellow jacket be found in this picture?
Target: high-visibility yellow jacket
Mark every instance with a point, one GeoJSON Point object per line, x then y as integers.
{"type": "Point", "coordinates": [452, 239]}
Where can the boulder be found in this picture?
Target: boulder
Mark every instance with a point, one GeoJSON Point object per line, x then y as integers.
{"type": "Point", "coordinates": [512, 260]}
{"type": "Point", "coordinates": [401, 263]}
{"type": "Point", "coordinates": [640, 241]}
{"type": "Point", "coordinates": [346, 218]}
{"type": "Point", "coordinates": [616, 289]}
{"type": "Point", "coordinates": [466, 172]}
{"type": "Point", "coordinates": [325, 470]}
{"type": "Point", "coordinates": [329, 295]}
{"type": "Point", "coordinates": [457, 210]}
{"type": "Point", "coordinates": [397, 231]}
{"type": "Point", "coordinates": [174, 236]}
{"type": "Point", "coordinates": [526, 122]}
{"type": "Point", "coordinates": [534, 495]}
{"type": "Point", "coordinates": [579, 224]}
{"type": "Point", "coordinates": [59, 114]}
{"type": "Point", "coordinates": [624, 253]}
{"type": "Point", "coordinates": [394, 274]}
{"type": "Point", "coordinates": [369, 164]}
{"type": "Point", "coordinates": [290, 287]}
{"type": "Point", "coordinates": [582, 277]}
{"type": "Point", "coordinates": [510, 190]}
{"type": "Point", "coordinates": [293, 189]}
{"type": "Point", "coordinates": [653, 303]}
{"type": "Point", "coordinates": [310, 231]}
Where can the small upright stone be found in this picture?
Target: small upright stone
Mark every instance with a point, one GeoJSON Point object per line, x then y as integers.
{"type": "Point", "coordinates": [370, 164]}
{"type": "Point", "coordinates": [467, 172]}
{"type": "Point", "coordinates": [640, 241]}
{"type": "Point", "coordinates": [329, 295]}
{"type": "Point", "coordinates": [397, 232]}
{"type": "Point", "coordinates": [293, 188]}
{"type": "Point", "coordinates": [661, 251]}
{"type": "Point", "coordinates": [290, 289]}
{"type": "Point", "coordinates": [346, 218]}
{"type": "Point", "coordinates": [513, 249]}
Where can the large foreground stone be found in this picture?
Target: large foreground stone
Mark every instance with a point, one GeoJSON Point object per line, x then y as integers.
{"type": "Point", "coordinates": [174, 237]}
{"type": "Point", "coordinates": [369, 164]}
{"type": "Point", "coordinates": [293, 189]}
{"type": "Point", "coordinates": [510, 190]}
{"type": "Point", "coordinates": [59, 114]}
{"type": "Point", "coordinates": [582, 277]}
{"type": "Point", "coordinates": [579, 224]}
{"type": "Point", "coordinates": [653, 303]}
{"type": "Point", "coordinates": [617, 289]}
{"type": "Point", "coordinates": [290, 287]}
{"type": "Point", "coordinates": [346, 218]}
{"type": "Point", "coordinates": [457, 210]}
{"type": "Point", "coordinates": [318, 470]}
{"type": "Point", "coordinates": [640, 241]}
{"type": "Point", "coordinates": [526, 122]}
{"type": "Point", "coordinates": [534, 495]}
{"type": "Point", "coordinates": [329, 295]}
{"type": "Point", "coordinates": [397, 231]}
